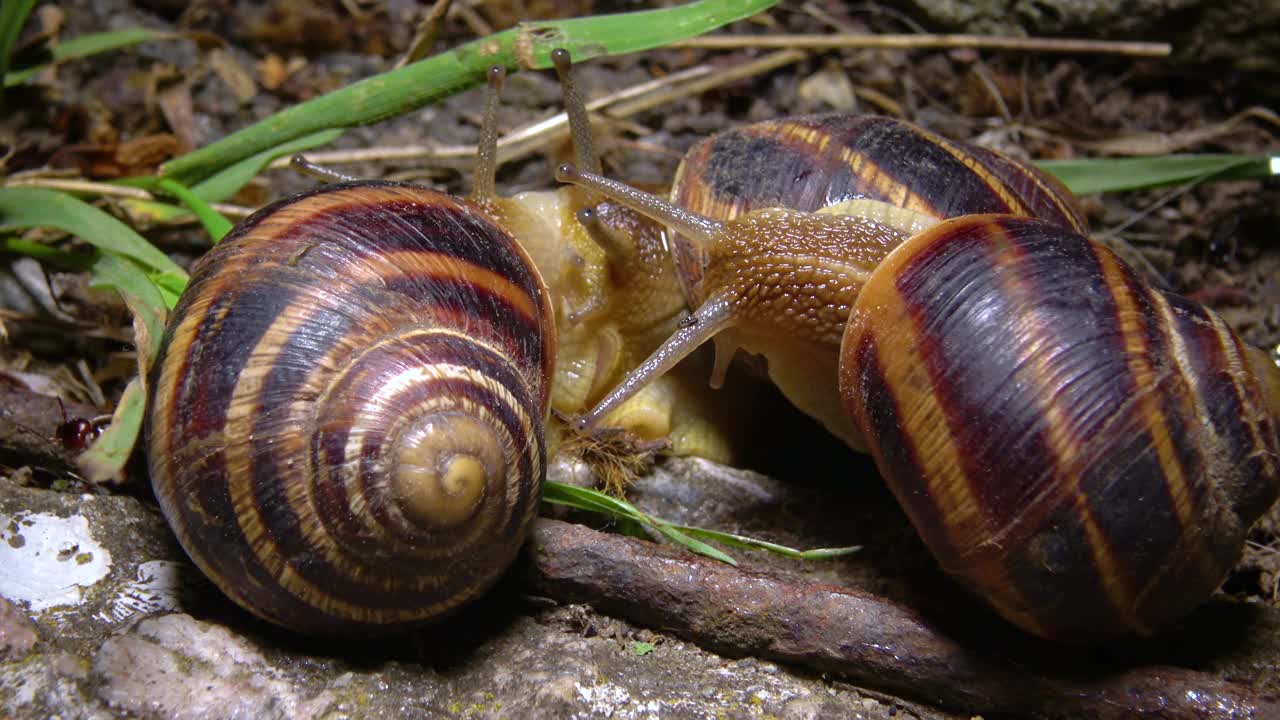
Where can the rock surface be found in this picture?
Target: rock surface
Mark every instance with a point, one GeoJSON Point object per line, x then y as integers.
{"type": "Point", "coordinates": [129, 627]}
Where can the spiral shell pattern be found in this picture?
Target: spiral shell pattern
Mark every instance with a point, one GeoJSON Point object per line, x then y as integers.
{"type": "Point", "coordinates": [346, 416]}
{"type": "Point", "coordinates": [1084, 451]}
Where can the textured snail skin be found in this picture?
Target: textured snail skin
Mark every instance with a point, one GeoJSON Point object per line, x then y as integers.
{"type": "Point", "coordinates": [808, 163]}
{"type": "Point", "coordinates": [1086, 452]}
{"type": "Point", "coordinates": [613, 309]}
{"type": "Point", "coordinates": [345, 426]}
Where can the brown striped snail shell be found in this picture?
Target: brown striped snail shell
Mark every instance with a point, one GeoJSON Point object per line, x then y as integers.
{"type": "Point", "coordinates": [345, 426]}
{"type": "Point", "coordinates": [1083, 451]}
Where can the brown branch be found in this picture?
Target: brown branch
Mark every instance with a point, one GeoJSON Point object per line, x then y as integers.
{"type": "Point", "coordinates": [850, 41]}
{"type": "Point", "coordinates": [426, 34]}
{"type": "Point", "coordinates": [867, 639]}
{"type": "Point", "coordinates": [111, 190]}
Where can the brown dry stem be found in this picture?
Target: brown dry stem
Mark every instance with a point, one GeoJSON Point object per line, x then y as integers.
{"type": "Point", "coordinates": [843, 41]}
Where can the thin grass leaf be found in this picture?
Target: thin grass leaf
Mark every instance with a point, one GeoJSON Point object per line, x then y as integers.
{"type": "Point", "coordinates": [627, 520]}
{"type": "Point", "coordinates": [685, 535]}
{"type": "Point", "coordinates": [226, 182]}
{"type": "Point", "coordinates": [750, 543]}
{"type": "Point", "coordinates": [631, 528]}
{"type": "Point", "coordinates": [398, 91]}
{"type": "Point", "coordinates": [105, 460]}
{"type": "Point", "coordinates": [49, 255]}
{"type": "Point", "coordinates": [213, 221]}
{"type": "Point", "coordinates": [1092, 175]}
{"type": "Point", "coordinates": [22, 207]}
{"type": "Point", "coordinates": [13, 15]}
{"type": "Point", "coordinates": [140, 292]}
{"type": "Point", "coordinates": [600, 502]}
{"type": "Point", "coordinates": [827, 553]}
{"type": "Point", "coordinates": [170, 287]}
{"type": "Point", "coordinates": [693, 544]}
{"type": "Point", "coordinates": [154, 211]}
{"type": "Point", "coordinates": [87, 45]}
{"type": "Point", "coordinates": [146, 295]}
{"type": "Point", "coordinates": [590, 500]}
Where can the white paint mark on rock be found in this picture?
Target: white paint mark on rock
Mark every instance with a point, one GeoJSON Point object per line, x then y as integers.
{"type": "Point", "coordinates": [47, 561]}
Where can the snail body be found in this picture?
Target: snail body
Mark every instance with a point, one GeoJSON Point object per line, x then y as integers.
{"type": "Point", "coordinates": [616, 297]}
{"type": "Point", "coordinates": [607, 322]}
{"type": "Point", "coordinates": [944, 345]}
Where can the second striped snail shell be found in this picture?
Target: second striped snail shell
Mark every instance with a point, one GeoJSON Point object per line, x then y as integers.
{"type": "Point", "coordinates": [1084, 452]}
{"type": "Point", "coordinates": [346, 418]}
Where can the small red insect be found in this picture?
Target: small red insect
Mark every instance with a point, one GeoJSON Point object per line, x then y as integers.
{"type": "Point", "coordinates": [77, 434]}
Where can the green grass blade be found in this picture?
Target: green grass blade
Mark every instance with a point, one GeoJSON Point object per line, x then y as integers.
{"type": "Point", "coordinates": [170, 286]}
{"type": "Point", "coordinates": [22, 207]}
{"type": "Point", "coordinates": [84, 46]}
{"type": "Point", "coordinates": [227, 181]}
{"type": "Point", "coordinates": [13, 15]}
{"type": "Point", "coordinates": [684, 535]}
{"type": "Point", "coordinates": [398, 91]}
{"type": "Point", "coordinates": [154, 211]}
{"type": "Point", "coordinates": [140, 292]}
{"type": "Point", "coordinates": [56, 257]}
{"type": "Point", "coordinates": [750, 543]}
{"type": "Point", "coordinates": [1094, 175]}
{"type": "Point", "coordinates": [693, 544]}
{"type": "Point", "coordinates": [214, 223]}
{"type": "Point", "coordinates": [152, 294]}
{"type": "Point", "coordinates": [105, 459]}
{"type": "Point", "coordinates": [590, 500]}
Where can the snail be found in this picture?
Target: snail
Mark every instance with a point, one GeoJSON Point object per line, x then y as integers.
{"type": "Point", "coordinates": [1084, 452]}
{"type": "Point", "coordinates": [348, 415]}
{"type": "Point", "coordinates": [345, 419]}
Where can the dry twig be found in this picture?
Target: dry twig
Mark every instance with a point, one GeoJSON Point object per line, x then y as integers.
{"type": "Point", "coordinates": [861, 41]}
{"type": "Point", "coordinates": [865, 638]}
{"type": "Point", "coordinates": [531, 138]}
{"type": "Point", "coordinates": [100, 189]}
